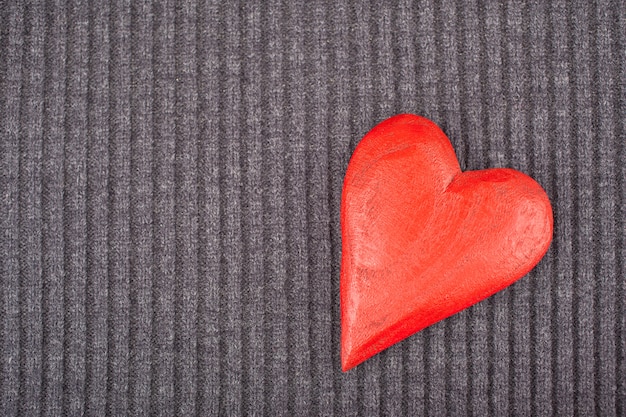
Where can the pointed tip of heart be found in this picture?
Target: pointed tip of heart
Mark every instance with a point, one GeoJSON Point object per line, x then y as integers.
{"type": "Point", "coordinates": [345, 367]}
{"type": "Point", "coordinates": [349, 358]}
{"type": "Point", "coordinates": [352, 353]}
{"type": "Point", "coordinates": [358, 344]}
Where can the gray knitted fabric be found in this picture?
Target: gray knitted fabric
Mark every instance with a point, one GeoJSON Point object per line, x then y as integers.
{"type": "Point", "coordinates": [171, 183]}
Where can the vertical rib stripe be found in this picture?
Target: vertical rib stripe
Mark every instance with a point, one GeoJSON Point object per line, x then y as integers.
{"type": "Point", "coordinates": [141, 209]}
{"type": "Point", "coordinates": [12, 90]}
{"type": "Point", "coordinates": [563, 177]}
{"type": "Point", "coordinates": [30, 217]}
{"type": "Point", "coordinates": [323, 200]}
{"type": "Point", "coordinates": [619, 50]}
{"type": "Point", "coordinates": [163, 217]}
{"type": "Point", "coordinates": [119, 210]}
{"type": "Point", "coordinates": [323, 258]}
{"type": "Point", "coordinates": [230, 182]}
{"type": "Point", "coordinates": [274, 213]}
{"type": "Point", "coordinates": [252, 216]}
{"type": "Point", "coordinates": [606, 256]}
{"type": "Point", "coordinates": [584, 261]}
{"type": "Point", "coordinates": [97, 211]}
{"type": "Point", "coordinates": [209, 209]}
{"type": "Point", "coordinates": [186, 212]}
{"type": "Point", "coordinates": [74, 202]}
{"type": "Point", "coordinates": [299, 377]}
{"type": "Point", "coordinates": [52, 210]}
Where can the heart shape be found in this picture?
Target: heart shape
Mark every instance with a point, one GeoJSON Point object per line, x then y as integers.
{"type": "Point", "coordinates": [422, 240]}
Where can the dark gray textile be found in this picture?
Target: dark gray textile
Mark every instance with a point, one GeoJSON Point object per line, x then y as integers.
{"type": "Point", "coordinates": [171, 184]}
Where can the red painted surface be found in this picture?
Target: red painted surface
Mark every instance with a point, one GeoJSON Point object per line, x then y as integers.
{"type": "Point", "coordinates": [423, 240]}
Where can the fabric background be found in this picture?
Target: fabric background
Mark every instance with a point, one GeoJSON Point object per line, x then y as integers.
{"type": "Point", "coordinates": [171, 179]}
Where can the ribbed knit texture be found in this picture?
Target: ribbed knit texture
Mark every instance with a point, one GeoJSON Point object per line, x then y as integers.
{"type": "Point", "coordinates": [171, 179]}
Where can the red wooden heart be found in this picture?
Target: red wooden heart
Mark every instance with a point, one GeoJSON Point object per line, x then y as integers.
{"type": "Point", "coordinates": [423, 240]}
